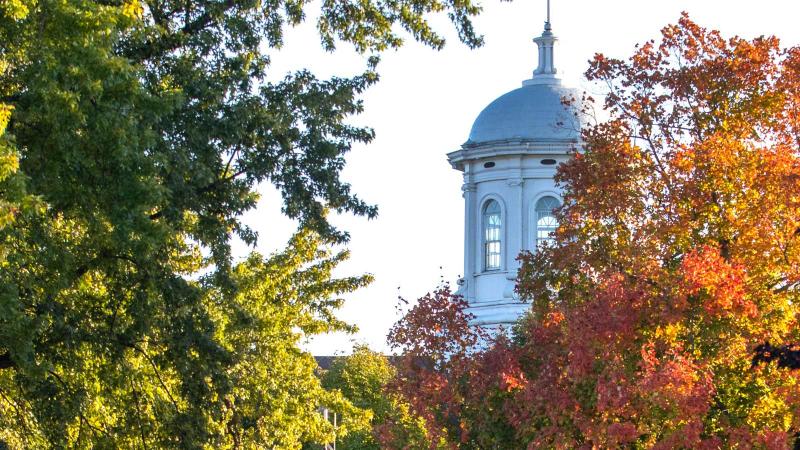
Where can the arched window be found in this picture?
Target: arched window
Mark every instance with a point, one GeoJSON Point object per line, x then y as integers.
{"type": "Point", "coordinates": [492, 223]}
{"type": "Point", "coordinates": [546, 222]}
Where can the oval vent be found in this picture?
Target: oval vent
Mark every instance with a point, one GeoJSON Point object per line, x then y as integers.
{"type": "Point", "coordinates": [548, 162]}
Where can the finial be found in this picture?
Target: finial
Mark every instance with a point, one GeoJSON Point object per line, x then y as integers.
{"type": "Point", "coordinates": [545, 73]}
{"type": "Point", "coordinates": [547, 24]}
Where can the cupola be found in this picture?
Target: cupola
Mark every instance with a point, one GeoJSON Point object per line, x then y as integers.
{"type": "Point", "coordinates": [509, 163]}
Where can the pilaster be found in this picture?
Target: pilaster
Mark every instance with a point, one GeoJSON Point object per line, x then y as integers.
{"type": "Point", "coordinates": [471, 236]}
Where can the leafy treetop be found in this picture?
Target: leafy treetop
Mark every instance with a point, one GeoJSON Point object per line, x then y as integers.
{"type": "Point", "coordinates": [133, 135]}
{"type": "Point", "coordinates": [676, 260]}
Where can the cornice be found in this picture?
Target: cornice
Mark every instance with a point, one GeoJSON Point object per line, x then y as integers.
{"type": "Point", "coordinates": [471, 152]}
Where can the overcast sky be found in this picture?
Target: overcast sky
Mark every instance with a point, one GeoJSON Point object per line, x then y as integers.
{"type": "Point", "coordinates": [423, 107]}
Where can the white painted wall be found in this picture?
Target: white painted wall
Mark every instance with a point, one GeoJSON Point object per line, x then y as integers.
{"type": "Point", "coordinates": [517, 181]}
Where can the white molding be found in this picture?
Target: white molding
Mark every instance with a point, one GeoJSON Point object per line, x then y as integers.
{"type": "Point", "coordinates": [496, 149]}
{"type": "Point", "coordinates": [510, 175]}
{"type": "Point", "coordinates": [469, 187]}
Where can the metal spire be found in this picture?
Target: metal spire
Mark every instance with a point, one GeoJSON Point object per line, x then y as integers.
{"type": "Point", "coordinates": [546, 71]}
{"type": "Point", "coordinates": [547, 26]}
{"type": "Point", "coordinates": [548, 11]}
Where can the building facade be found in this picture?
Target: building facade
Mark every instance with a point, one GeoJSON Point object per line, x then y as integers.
{"type": "Point", "coordinates": [508, 164]}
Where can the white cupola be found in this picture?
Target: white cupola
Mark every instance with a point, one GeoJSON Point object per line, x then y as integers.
{"type": "Point", "coordinates": [509, 162]}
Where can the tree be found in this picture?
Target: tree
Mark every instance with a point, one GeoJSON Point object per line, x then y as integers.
{"type": "Point", "coordinates": [450, 378]}
{"type": "Point", "coordinates": [134, 135]}
{"type": "Point", "coordinates": [137, 398]}
{"type": "Point", "coordinates": [675, 262]}
{"type": "Point", "coordinates": [275, 396]}
{"type": "Point", "coordinates": [361, 378]}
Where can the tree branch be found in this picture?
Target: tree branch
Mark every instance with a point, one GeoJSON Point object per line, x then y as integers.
{"type": "Point", "coordinates": [156, 372]}
{"type": "Point", "coordinates": [205, 189]}
{"type": "Point", "coordinates": [81, 416]}
{"type": "Point", "coordinates": [172, 41]}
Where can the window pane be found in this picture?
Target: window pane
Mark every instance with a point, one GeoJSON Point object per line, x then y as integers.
{"type": "Point", "coordinates": [492, 224]}
{"type": "Point", "coordinates": [492, 207]}
{"type": "Point", "coordinates": [546, 223]}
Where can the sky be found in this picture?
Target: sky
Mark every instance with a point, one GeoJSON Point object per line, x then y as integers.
{"type": "Point", "coordinates": [423, 108]}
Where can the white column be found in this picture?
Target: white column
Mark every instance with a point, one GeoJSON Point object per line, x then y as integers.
{"type": "Point", "coordinates": [515, 237]}
{"type": "Point", "coordinates": [514, 223]}
{"type": "Point", "coordinates": [470, 232]}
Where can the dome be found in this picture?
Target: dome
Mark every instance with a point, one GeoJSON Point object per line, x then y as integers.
{"type": "Point", "coordinates": [533, 112]}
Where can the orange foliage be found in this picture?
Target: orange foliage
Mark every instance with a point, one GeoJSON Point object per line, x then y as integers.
{"type": "Point", "coordinates": [678, 253]}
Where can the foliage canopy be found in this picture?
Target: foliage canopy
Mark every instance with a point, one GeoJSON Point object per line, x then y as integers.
{"type": "Point", "coordinates": [362, 378]}
{"type": "Point", "coordinates": [133, 135]}
{"type": "Point", "coordinates": [677, 257]}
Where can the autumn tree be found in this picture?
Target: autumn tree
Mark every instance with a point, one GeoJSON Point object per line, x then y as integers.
{"type": "Point", "coordinates": [133, 135]}
{"type": "Point", "coordinates": [676, 261]}
{"type": "Point", "coordinates": [455, 376]}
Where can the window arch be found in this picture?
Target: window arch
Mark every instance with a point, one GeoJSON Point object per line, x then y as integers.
{"type": "Point", "coordinates": [546, 222]}
{"type": "Point", "coordinates": [492, 225]}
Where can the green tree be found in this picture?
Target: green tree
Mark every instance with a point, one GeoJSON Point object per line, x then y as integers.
{"type": "Point", "coordinates": [132, 138]}
{"type": "Point", "coordinates": [275, 396]}
{"type": "Point", "coordinates": [362, 378]}
{"type": "Point", "coordinates": [269, 395]}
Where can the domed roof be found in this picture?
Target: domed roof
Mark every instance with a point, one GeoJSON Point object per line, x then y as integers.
{"type": "Point", "coordinates": [532, 112]}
